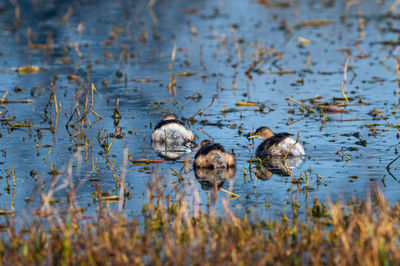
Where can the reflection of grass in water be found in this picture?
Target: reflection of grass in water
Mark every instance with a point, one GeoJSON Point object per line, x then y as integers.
{"type": "Point", "coordinates": [172, 232]}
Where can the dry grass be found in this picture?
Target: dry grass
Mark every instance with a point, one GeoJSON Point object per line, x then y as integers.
{"type": "Point", "coordinates": [172, 233]}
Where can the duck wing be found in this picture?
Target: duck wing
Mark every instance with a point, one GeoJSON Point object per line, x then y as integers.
{"type": "Point", "coordinates": [166, 122]}
{"type": "Point", "coordinates": [264, 148]}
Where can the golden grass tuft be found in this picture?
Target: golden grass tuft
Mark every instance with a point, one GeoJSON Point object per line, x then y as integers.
{"type": "Point", "coordinates": [171, 232]}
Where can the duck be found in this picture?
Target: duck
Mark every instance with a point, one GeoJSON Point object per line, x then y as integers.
{"type": "Point", "coordinates": [212, 156]}
{"type": "Point", "coordinates": [276, 144]}
{"type": "Point", "coordinates": [170, 130]}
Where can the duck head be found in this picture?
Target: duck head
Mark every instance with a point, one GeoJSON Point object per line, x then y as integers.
{"type": "Point", "coordinates": [262, 133]}
{"type": "Point", "coordinates": [170, 116]}
{"type": "Point", "coordinates": [205, 142]}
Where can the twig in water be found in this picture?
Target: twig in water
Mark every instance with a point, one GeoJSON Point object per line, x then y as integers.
{"type": "Point", "coordinates": [48, 153]}
{"type": "Point", "coordinates": [151, 12]}
{"type": "Point", "coordinates": [13, 175]}
{"type": "Point", "coordinates": [180, 177]}
{"type": "Point", "coordinates": [297, 140]}
{"type": "Point", "coordinates": [302, 105]}
{"type": "Point", "coordinates": [388, 167]}
{"type": "Point", "coordinates": [348, 157]}
{"type": "Point", "coordinates": [345, 70]}
{"type": "Point", "coordinates": [231, 193]}
{"type": "Point", "coordinates": [123, 190]}
{"type": "Point", "coordinates": [398, 81]}
{"type": "Point", "coordinates": [235, 39]}
{"type": "Point", "coordinates": [199, 129]}
{"type": "Point", "coordinates": [343, 93]}
{"type": "Point", "coordinates": [202, 110]}
{"type": "Point", "coordinates": [115, 135]}
{"type": "Point", "coordinates": [172, 59]}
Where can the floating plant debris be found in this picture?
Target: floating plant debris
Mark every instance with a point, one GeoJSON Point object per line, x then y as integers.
{"type": "Point", "coordinates": [146, 161]}
{"type": "Point", "coordinates": [110, 198]}
{"type": "Point", "coordinates": [314, 23]}
{"type": "Point", "coordinates": [28, 69]}
{"type": "Point", "coordinates": [246, 104]}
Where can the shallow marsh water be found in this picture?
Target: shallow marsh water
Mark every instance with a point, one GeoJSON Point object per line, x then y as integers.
{"type": "Point", "coordinates": [125, 50]}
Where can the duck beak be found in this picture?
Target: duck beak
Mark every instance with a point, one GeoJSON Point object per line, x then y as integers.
{"type": "Point", "coordinates": [253, 137]}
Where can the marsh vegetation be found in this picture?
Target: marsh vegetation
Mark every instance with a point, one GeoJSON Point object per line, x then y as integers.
{"type": "Point", "coordinates": [84, 84]}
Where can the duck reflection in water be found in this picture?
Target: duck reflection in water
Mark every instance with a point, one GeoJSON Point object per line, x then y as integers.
{"type": "Point", "coordinates": [171, 139]}
{"type": "Point", "coordinates": [212, 166]}
{"type": "Point", "coordinates": [272, 151]}
{"type": "Point", "coordinates": [170, 152]}
{"type": "Point", "coordinates": [213, 178]}
{"type": "Point", "coordinates": [273, 164]}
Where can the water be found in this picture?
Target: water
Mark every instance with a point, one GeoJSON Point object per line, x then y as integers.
{"type": "Point", "coordinates": [125, 50]}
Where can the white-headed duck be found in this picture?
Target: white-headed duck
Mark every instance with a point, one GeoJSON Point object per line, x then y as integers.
{"type": "Point", "coordinates": [172, 131]}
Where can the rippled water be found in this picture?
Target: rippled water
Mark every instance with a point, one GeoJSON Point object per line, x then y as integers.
{"type": "Point", "coordinates": [125, 50]}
